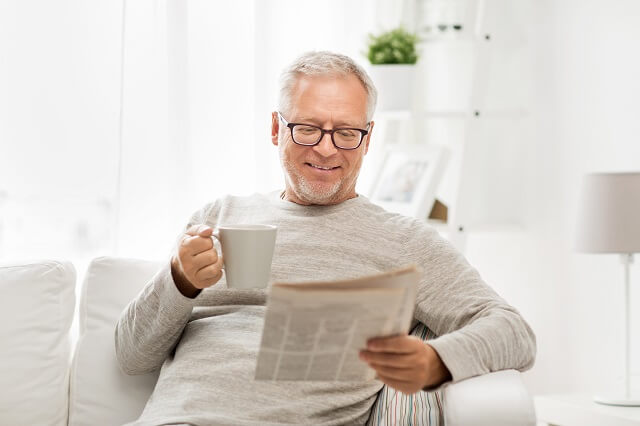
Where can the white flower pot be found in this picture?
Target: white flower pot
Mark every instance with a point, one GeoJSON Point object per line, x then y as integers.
{"type": "Point", "coordinates": [395, 86]}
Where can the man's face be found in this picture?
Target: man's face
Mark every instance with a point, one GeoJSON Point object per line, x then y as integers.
{"type": "Point", "coordinates": [327, 102]}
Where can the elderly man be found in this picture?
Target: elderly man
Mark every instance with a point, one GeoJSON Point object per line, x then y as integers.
{"type": "Point", "coordinates": [205, 337]}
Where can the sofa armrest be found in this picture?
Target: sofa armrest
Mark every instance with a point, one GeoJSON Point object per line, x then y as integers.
{"type": "Point", "coordinates": [493, 399]}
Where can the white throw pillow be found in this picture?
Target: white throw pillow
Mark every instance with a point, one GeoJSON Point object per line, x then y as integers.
{"type": "Point", "coordinates": [100, 393]}
{"type": "Point", "coordinates": [37, 300]}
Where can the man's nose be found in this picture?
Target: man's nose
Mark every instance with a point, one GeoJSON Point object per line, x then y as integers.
{"type": "Point", "coordinates": [325, 147]}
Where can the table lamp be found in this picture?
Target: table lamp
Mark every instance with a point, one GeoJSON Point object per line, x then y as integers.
{"type": "Point", "coordinates": [609, 222]}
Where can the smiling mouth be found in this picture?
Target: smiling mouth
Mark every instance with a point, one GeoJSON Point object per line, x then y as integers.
{"type": "Point", "coordinates": [323, 168]}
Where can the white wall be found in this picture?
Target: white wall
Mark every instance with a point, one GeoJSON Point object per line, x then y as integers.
{"type": "Point", "coordinates": [585, 116]}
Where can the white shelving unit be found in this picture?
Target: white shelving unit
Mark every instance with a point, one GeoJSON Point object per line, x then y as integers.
{"type": "Point", "coordinates": [471, 172]}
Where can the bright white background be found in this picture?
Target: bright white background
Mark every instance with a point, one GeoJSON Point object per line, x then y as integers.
{"type": "Point", "coordinates": [107, 144]}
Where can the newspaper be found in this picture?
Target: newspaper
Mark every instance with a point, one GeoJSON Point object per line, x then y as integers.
{"type": "Point", "coordinates": [315, 330]}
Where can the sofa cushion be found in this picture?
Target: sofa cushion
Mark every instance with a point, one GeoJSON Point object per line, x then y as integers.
{"type": "Point", "coordinates": [100, 393]}
{"type": "Point", "coordinates": [36, 311]}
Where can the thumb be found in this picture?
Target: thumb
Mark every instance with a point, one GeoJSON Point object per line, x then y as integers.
{"type": "Point", "coordinates": [204, 231]}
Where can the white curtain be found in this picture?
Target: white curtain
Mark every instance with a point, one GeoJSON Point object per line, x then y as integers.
{"type": "Point", "coordinates": [58, 127]}
{"type": "Point", "coordinates": [153, 146]}
{"type": "Point", "coordinates": [119, 119]}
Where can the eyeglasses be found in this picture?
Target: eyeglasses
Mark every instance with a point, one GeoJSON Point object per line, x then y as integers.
{"type": "Point", "coordinates": [310, 135]}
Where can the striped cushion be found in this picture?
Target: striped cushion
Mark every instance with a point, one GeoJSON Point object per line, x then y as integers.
{"type": "Point", "coordinates": [395, 408]}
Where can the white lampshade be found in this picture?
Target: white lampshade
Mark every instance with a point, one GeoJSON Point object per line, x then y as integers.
{"type": "Point", "coordinates": [609, 213]}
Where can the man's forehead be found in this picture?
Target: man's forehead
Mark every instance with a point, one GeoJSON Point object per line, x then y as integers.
{"type": "Point", "coordinates": [338, 121]}
{"type": "Point", "coordinates": [341, 98]}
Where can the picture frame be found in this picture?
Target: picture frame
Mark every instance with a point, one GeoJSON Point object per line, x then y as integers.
{"type": "Point", "coordinates": [408, 179]}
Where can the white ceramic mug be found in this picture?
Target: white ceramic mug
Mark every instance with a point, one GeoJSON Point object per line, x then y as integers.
{"type": "Point", "coordinates": [247, 251]}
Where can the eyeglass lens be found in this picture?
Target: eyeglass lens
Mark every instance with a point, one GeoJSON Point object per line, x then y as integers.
{"type": "Point", "coordinates": [309, 135]}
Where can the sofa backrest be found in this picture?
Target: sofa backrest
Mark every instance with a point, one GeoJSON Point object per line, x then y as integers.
{"type": "Point", "coordinates": [100, 394]}
{"type": "Point", "coordinates": [36, 311]}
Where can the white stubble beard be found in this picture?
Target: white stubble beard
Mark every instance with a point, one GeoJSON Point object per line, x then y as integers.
{"type": "Point", "coordinates": [305, 190]}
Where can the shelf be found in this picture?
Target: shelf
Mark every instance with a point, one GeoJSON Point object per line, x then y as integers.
{"type": "Point", "coordinates": [457, 103]}
{"type": "Point", "coordinates": [408, 114]}
{"type": "Point", "coordinates": [401, 115]}
{"type": "Point", "coordinates": [447, 39]}
{"type": "Point", "coordinates": [489, 228]}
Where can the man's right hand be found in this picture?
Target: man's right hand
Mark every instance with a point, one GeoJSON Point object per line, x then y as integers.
{"type": "Point", "coordinates": [196, 264]}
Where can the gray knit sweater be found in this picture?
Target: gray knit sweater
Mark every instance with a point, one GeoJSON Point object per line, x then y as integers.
{"type": "Point", "coordinates": [207, 346]}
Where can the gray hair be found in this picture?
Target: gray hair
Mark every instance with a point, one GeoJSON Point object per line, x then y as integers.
{"type": "Point", "coordinates": [324, 63]}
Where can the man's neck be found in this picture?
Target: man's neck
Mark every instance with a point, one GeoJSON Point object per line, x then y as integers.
{"type": "Point", "coordinates": [287, 195]}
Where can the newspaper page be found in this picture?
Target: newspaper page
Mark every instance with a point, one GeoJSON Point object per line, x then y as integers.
{"type": "Point", "coordinates": [315, 330]}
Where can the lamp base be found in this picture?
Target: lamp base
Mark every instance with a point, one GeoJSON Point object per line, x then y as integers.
{"type": "Point", "coordinates": [618, 399]}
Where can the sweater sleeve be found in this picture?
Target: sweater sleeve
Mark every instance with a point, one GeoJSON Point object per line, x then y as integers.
{"type": "Point", "coordinates": [151, 325]}
{"type": "Point", "coordinates": [478, 331]}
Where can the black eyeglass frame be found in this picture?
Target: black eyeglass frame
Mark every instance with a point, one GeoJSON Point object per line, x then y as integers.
{"type": "Point", "coordinates": [323, 132]}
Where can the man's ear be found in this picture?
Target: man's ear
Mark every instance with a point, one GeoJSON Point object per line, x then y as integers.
{"type": "Point", "coordinates": [366, 143]}
{"type": "Point", "coordinates": [275, 128]}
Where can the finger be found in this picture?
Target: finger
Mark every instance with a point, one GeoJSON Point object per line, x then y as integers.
{"type": "Point", "coordinates": [220, 261]}
{"type": "Point", "coordinates": [205, 258]}
{"type": "Point", "coordinates": [388, 359]}
{"type": "Point", "coordinates": [401, 374]}
{"type": "Point", "coordinates": [205, 283]}
{"type": "Point", "coordinates": [209, 274]}
{"type": "Point", "coordinates": [218, 265]}
{"type": "Point", "coordinates": [403, 386]}
{"type": "Point", "coordinates": [194, 245]}
{"type": "Point", "coordinates": [394, 344]}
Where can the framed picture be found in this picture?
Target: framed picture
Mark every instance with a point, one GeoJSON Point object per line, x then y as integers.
{"type": "Point", "coordinates": [408, 179]}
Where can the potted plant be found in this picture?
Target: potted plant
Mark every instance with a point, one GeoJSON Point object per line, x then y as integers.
{"type": "Point", "coordinates": [393, 57]}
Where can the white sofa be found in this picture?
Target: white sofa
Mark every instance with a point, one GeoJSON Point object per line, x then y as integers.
{"type": "Point", "coordinates": [42, 383]}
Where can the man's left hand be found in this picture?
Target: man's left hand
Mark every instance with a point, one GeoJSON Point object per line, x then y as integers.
{"type": "Point", "coordinates": [406, 363]}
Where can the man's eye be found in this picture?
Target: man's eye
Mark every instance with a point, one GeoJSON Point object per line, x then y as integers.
{"type": "Point", "coordinates": [346, 133]}
{"type": "Point", "coordinates": [307, 130]}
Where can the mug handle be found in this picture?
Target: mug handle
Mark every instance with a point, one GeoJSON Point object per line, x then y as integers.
{"type": "Point", "coordinates": [216, 234]}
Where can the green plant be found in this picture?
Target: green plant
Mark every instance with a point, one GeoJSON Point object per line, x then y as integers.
{"type": "Point", "coordinates": [393, 47]}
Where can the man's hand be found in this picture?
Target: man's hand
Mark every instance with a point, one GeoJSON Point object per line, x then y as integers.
{"type": "Point", "coordinates": [405, 363]}
{"type": "Point", "coordinates": [196, 264]}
